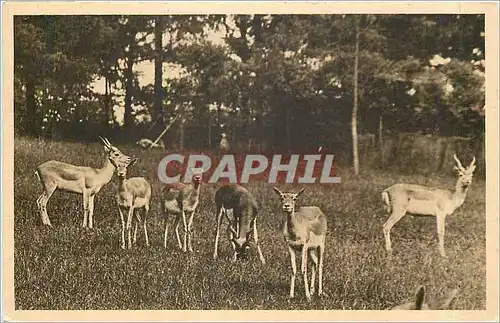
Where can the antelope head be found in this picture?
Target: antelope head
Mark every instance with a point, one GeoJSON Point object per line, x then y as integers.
{"type": "Point", "coordinates": [242, 244]}
{"type": "Point", "coordinates": [122, 166]}
{"type": "Point", "coordinates": [114, 154]}
{"type": "Point", "coordinates": [288, 200]}
{"type": "Point", "coordinates": [465, 173]}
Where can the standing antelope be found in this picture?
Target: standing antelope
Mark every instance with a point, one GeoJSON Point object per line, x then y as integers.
{"type": "Point", "coordinates": [423, 200]}
{"type": "Point", "coordinates": [420, 304]}
{"type": "Point", "coordinates": [244, 208]}
{"type": "Point", "coordinates": [181, 200]}
{"type": "Point", "coordinates": [83, 180]}
{"type": "Point", "coordinates": [224, 144]}
{"type": "Point", "coordinates": [132, 194]}
{"type": "Point", "coordinates": [305, 232]}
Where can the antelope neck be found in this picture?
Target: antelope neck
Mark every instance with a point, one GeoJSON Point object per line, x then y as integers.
{"type": "Point", "coordinates": [290, 217]}
{"type": "Point", "coordinates": [459, 193]}
{"type": "Point", "coordinates": [107, 171]}
{"type": "Point", "coordinates": [121, 183]}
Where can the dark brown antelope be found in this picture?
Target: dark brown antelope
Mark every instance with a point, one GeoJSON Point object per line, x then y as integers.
{"type": "Point", "coordinates": [243, 224]}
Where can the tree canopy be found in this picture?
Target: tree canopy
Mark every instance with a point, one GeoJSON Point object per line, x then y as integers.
{"type": "Point", "coordinates": [268, 80]}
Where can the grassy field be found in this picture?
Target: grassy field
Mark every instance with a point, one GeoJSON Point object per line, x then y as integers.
{"type": "Point", "coordinates": [69, 267]}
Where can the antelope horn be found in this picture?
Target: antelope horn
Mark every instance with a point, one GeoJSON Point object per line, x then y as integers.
{"type": "Point", "coordinates": [108, 142]}
{"type": "Point", "coordinates": [233, 231]}
{"type": "Point", "coordinates": [104, 141]}
{"type": "Point", "coordinates": [459, 164]}
{"type": "Point", "coordinates": [473, 162]}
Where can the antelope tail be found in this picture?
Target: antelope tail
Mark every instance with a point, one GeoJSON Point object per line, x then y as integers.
{"type": "Point", "coordinates": [38, 175]}
{"type": "Point", "coordinates": [387, 201]}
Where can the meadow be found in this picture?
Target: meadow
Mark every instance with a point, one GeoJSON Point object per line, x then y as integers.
{"type": "Point", "coordinates": [70, 267]}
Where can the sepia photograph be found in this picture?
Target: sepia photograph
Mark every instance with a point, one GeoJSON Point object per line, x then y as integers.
{"type": "Point", "coordinates": [294, 161]}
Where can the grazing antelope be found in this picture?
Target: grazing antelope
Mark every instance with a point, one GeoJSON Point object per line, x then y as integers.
{"type": "Point", "coordinates": [244, 208]}
{"type": "Point", "coordinates": [181, 200]}
{"type": "Point", "coordinates": [55, 175]}
{"type": "Point", "coordinates": [420, 304]}
{"type": "Point", "coordinates": [147, 143]}
{"type": "Point", "coordinates": [423, 200]}
{"type": "Point", "coordinates": [133, 193]}
{"type": "Point", "coordinates": [224, 144]}
{"type": "Point", "coordinates": [304, 231]}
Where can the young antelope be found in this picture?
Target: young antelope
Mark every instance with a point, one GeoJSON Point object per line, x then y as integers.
{"type": "Point", "coordinates": [304, 231]}
{"type": "Point", "coordinates": [132, 194]}
{"type": "Point", "coordinates": [181, 200]}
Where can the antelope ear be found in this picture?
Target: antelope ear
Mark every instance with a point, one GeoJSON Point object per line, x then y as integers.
{"type": "Point", "coordinates": [419, 297]}
{"type": "Point", "coordinates": [278, 191]}
{"type": "Point", "coordinates": [300, 192]}
{"type": "Point", "coordinates": [135, 160]}
{"type": "Point", "coordinates": [455, 168]}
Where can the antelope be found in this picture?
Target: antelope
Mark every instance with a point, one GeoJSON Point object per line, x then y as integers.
{"type": "Point", "coordinates": [244, 208]}
{"type": "Point", "coordinates": [87, 181]}
{"type": "Point", "coordinates": [147, 143]}
{"type": "Point", "coordinates": [428, 201]}
{"type": "Point", "coordinates": [304, 231]}
{"type": "Point", "coordinates": [181, 200]}
{"type": "Point", "coordinates": [133, 193]}
{"type": "Point", "coordinates": [224, 144]}
{"type": "Point", "coordinates": [419, 302]}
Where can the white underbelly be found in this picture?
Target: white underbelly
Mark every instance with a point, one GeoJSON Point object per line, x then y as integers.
{"type": "Point", "coordinates": [315, 240]}
{"type": "Point", "coordinates": [140, 202]}
{"type": "Point", "coordinates": [172, 207]}
{"type": "Point", "coordinates": [421, 207]}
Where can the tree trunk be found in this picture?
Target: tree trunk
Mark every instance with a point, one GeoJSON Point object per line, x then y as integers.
{"type": "Point", "coordinates": [209, 128]}
{"type": "Point", "coordinates": [181, 128]}
{"type": "Point", "coordinates": [380, 137]}
{"type": "Point", "coordinates": [128, 119]}
{"type": "Point", "coordinates": [158, 86]}
{"type": "Point", "coordinates": [354, 117]}
{"type": "Point", "coordinates": [31, 109]}
{"type": "Point", "coordinates": [106, 104]}
{"type": "Point", "coordinates": [287, 125]}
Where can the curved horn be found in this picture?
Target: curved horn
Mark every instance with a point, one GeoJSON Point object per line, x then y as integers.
{"type": "Point", "coordinates": [459, 164]}
{"type": "Point", "coordinates": [105, 141]}
{"type": "Point", "coordinates": [473, 162]}
{"type": "Point", "coordinates": [233, 231]}
{"type": "Point", "coordinates": [108, 142]}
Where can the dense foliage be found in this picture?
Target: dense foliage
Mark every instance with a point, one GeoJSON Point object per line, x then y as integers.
{"type": "Point", "coordinates": [270, 76]}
